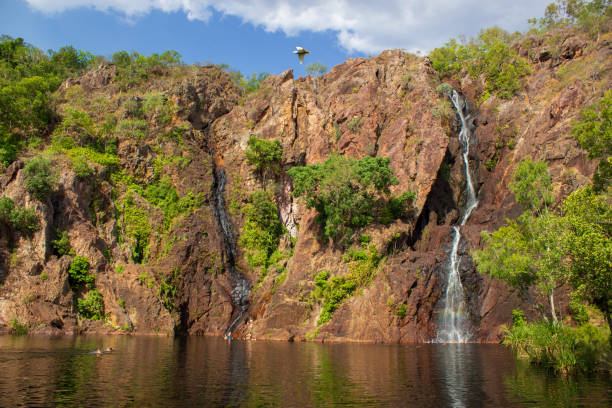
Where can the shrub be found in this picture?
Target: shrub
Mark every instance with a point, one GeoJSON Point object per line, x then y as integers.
{"type": "Point", "coordinates": [444, 89]}
{"type": "Point", "coordinates": [266, 156]}
{"type": "Point", "coordinates": [132, 128]}
{"type": "Point", "coordinates": [262, 228]}
{"type": "Point", "coordinates": [81, 167]}
{"type": "Point", "coordinates": [564, 349]}
{"type": "Point", "coordinates": [18, 328]}
{"type": "Point", "coordinates": [61, 243]}
{"type": "Point", "coordinates": [25, 220]}
{"type": "Point", "coordinates": [39, 179]}
{"type": "Point", "coordinates": [78, 273]}
{"type": "Point", "coordinates": [401, 311]}
{"type": "Point", "coordinates": [92, 306]}
{"type": "Point", "coordinates": [347, 193]}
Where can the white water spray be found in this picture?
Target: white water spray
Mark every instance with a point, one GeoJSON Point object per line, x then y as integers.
{"type": "Point", "coordinates": [454, 323]}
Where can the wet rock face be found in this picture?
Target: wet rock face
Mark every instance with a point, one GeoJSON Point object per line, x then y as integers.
{"type": "Point", "coordinates": [381, 106]}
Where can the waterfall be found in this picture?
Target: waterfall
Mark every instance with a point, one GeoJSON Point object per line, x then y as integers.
{"type": "Point", "coordinates": [454, 324]}
{"type": "Point", "coordinates": [241, 286]}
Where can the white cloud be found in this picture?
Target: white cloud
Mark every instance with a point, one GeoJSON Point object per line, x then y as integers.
{"type": "Point", "coordinates": [361, 25]}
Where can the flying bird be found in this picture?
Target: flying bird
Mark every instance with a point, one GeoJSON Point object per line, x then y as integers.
{"type": "Point", "coordinates": [301, 52]}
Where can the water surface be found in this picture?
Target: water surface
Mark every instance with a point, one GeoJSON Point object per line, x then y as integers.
{"type": "Point", "coordinates": [196, 371]}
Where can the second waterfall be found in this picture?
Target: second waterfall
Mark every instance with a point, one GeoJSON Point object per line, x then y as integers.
{"type": "Point", "coordinates": [454, 324]}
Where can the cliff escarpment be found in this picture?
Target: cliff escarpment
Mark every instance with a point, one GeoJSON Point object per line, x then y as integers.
{"type": "Point", "coordinates": [151, 183]}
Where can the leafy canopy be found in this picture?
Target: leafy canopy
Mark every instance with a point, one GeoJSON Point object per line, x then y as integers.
{"type": "Point", "coordinates": [594, 133]}
{"type": "Point", "coordinates": [346, 193]}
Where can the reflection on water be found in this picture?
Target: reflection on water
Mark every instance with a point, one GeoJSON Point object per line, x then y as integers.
{"type": "Point", "coordinates": [166, 372]}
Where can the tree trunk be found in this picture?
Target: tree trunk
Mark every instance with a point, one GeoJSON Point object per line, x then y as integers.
{"type": "Point", "coordinates": [552, 306]}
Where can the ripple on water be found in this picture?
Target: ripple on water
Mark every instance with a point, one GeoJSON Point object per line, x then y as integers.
{"type": "Point", "coordinates": [183, 372]}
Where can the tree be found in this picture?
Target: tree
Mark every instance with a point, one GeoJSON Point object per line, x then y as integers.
{"type": "Point", "coordinates": [262, 228]}
{"type": "Point", "coordinates": [594, 133]}
{"type": "Point", "coordinates": [316, 69]}
{"type": "Point", "coordinates": [588, 245]}
{"type": "Point", "coordinates": [346, 193]}
{"type": "Point", "coordinates": [39, 179]}
{"type": "Point", "coordinates": [527, 252]}
{"type": "Point", "coordinates": [266, 156]}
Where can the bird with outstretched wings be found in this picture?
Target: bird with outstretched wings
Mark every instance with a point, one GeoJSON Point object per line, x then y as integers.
{"type": "Point", "coordinates": [301, 52]}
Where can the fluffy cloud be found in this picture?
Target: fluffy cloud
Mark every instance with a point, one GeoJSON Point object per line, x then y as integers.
{"type": "Point", "coordinates": [360, 25]}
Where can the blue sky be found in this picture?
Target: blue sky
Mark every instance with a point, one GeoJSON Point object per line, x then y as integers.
{"type": "Point", "coordinates": [256, 35]}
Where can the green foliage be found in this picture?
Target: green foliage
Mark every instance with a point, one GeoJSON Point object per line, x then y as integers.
{"type": "Point", "coordinates": [247, 85]}
{"type": "Point", "coordinates": [167, 292]}
{"type": "Point", "coordinates": [157, 105]}
{"type": "Point", "coordinates": [78, 273]}
{"type": "Point", "coordinates": [134, 69]}
{"type": "Point", "coordinates": [76, 129]}
{"type": "Point", "coordinates": [135, 225]}
{"type": "Point", "coordinates": [266, 156]}
{"type": "Point", "coordinates": [587, 244]}
{"type": "Point", "coordinates": [333, 292]}
{"type": "Point", "coordinates": [132, 128]}
{"type": "Point", "coordinates": [119, 269]}
{"type": "Point", "coordinates": [316, 69]}
{"type": "Point", "coordinates": [527, 252]}
{"type": "Point", "coordinates": [546, 249]}
{"type": "Point", "coordinates": [347, 193]}
{"type": "Point", "coordinates": [593, 17]}
{"type": "Point", "coordinates": [18, 328]}
{"type": "Point", "coordinates": [564, 349]}
{"type": "Point", "coordinates": [28, 76]}
{"type": "Point", "coordinates": [262, 229]}
{"type": "Point", "coordinates": [531, 185]}
{"type": "Point", "coordinates": [444, 89]}
{"type": "Point", "coordinates": [490, 55]}
{"type": "Point", "coordinates": [594, 133]}
{"type": "Point", "coordinates": [579, 311]}
{"type": "Point", "coordinates": [163, 195]}
{"type": "Point", "coordinates": [400, 311]}
{"type": "Point", "coordinates": [91, 306]}
{"type": "Point", "coordinates": [23, 220]}
{"type": "Point", "coordinates": [61, 243]}
{"type": "Point", "coordinates": [39, 180]}
{"type": "Point", "coordinates": [81, 167]}
{"type": "Point", "coordinates": [518, 317]}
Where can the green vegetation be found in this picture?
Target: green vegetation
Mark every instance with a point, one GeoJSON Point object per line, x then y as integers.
{"type": "Point", "coordinates": [594, 133]}
{"type": "Point", "coordinates": [28, 76]}
{"type": "Point", "coordinates": [23, 220]}
{"type": "Point", "coordinates": [262, 229]}
{"type": "Point", "coordinates": [79, 275]}
{"type": "Point", "coordinates": [39, 179]}
{"type": "Point", "coordinates": [562, 348]}
{"type": "Point", "coordinates": [18, 328]}
{"type": "Point", "coordinates": [316, 69]}
{"type": "Point", "coordinates": [546, 248]}
{"type": "Point", "coordinates": [489, 55]}
{"type": "Point", "coordinates": [91, 306]}
{"type": "Point", "coordinates": [157, 105]}
{"type": "Point", "coordinates": [61, 243]}
{"type": "Point", "coordinates": [167, 291]}
{"type": "Point", "coordinates": [134, 69]}
{"type": "Point", "coordinates": [349, 194]}
{"type": "Point", "coordinates": [592, 17]}
{"type": "Point", "coordinates": [247, 85]}
{"type": "Point", "coordinates": [333, 292]}
{"type": "Point", "coordinates": [162, 194]}
{"type": "Point", "coordinates": [266, 156]}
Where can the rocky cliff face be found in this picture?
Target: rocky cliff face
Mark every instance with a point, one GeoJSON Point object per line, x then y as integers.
{"type": "Point", "coordinates": [383, 106]}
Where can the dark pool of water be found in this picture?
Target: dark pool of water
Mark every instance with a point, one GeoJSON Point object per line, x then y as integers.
{"type": "Point", "coordinates": [208, 372]}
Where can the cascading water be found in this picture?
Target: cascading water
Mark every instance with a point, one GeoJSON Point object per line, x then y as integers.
{"type": "Point", "coordinates": [454, 324]}
{"type": "Point", "coordinates": [241, 286]}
